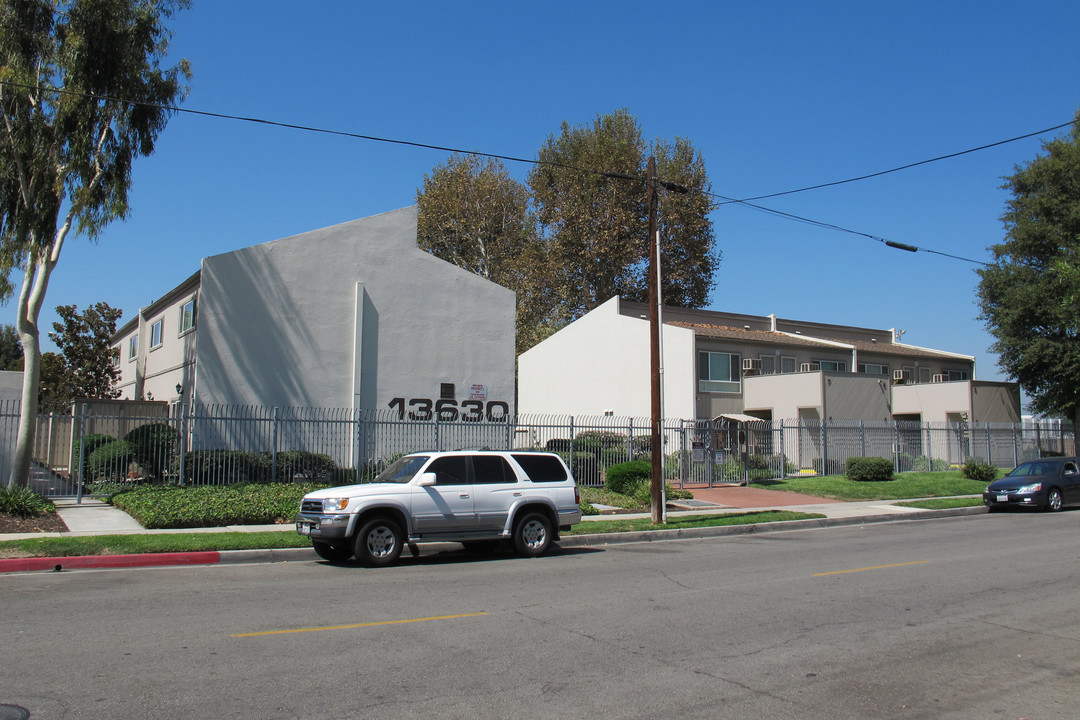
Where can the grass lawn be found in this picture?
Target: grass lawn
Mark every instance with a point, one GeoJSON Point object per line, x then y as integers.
{"type": "Point", "coordinates": [903, 486]}
{"type": "Point", "coordinates": [134, 544]}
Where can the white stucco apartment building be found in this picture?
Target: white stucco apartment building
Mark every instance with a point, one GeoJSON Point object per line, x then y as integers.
{"type": "Point", "coordinates": [349, 316]}
{"type": "Point", "coordinates": [749, 366]}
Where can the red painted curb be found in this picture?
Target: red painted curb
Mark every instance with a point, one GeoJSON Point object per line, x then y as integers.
{"type": "Point", "coordinates": [109, 561]}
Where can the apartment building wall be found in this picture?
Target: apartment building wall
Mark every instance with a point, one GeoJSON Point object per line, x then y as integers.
{"type": "Point", "coordinates": [601, 364]}
{"type": "Point", "coordinates": [353, 315]}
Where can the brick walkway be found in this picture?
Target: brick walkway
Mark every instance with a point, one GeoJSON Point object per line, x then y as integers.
{"type": "Point", "coordinates": [737, 496]}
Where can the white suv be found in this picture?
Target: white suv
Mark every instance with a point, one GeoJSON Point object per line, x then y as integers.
{"type": "Point", "coordinates": [473, 497]}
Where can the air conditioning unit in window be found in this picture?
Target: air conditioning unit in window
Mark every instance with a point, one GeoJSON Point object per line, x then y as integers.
{"type": "Point", "coordinates": [809, 367]}
{"type": "Point", "coordinates": [899, 376]}
{"type": "Point", "coordinates": [751, 365]}
{"type": "Point", "coordinates": [939, 378]}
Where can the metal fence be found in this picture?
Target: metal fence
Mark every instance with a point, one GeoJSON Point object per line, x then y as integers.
{"type": "Point", "coordinates": [98, 452]}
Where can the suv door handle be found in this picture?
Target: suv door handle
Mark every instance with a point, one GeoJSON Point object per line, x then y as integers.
{"type": "Point", "coordinates": [517, 494]}
{"type": "Point", "coordinates": [464, 496]}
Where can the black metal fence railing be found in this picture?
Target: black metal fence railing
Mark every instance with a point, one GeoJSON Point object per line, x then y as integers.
{"type": "Point", "coordinates": [99, 452]}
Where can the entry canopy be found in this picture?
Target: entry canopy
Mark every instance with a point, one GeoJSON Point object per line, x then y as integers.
{"type": "Point", "coordinates": [738, 417]}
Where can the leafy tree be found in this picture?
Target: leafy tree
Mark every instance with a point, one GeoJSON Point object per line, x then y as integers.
{"type": "Point", "coordinates": [473, 214]}
{"type": "Point", "coordinates": [11, 353]}
{"type": "Point", "coordinates": [83, 92]}
{"type": "Point", "coordinates": [595, 224]}
{"type": "Point", "coordinates": [1028, 296]}
{"type": "Point", "coordinates": [55, 392]}
{"type": "Point", "coordinates": [83, 339]}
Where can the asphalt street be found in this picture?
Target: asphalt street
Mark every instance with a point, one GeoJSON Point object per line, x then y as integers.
{"type": "Point", "coordinates": [967, 617]}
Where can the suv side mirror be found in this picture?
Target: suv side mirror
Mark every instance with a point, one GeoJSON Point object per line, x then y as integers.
{"type": "Point", "coordinates": [427, 479]}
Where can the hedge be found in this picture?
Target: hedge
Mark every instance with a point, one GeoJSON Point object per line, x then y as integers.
{"type": "Point", "coordinates": [872, 469]}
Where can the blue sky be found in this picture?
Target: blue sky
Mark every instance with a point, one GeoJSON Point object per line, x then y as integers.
{"type": "Point", "coordinates": [776, 95]}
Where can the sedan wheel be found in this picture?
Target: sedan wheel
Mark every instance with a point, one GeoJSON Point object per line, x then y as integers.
{"type": "Point", "coordinates": [1053, 500]}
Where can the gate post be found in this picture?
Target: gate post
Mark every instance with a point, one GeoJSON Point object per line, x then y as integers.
{"type": "Point", "coordinates": [82, 455]}
{"type": "Point", "coordinates": [274, 444]}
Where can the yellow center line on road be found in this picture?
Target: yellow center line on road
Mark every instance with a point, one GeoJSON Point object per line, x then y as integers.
{"type": "Point", "coordinates": [358, 625]}
{"type": "Point", "coordinates": [876, 567]}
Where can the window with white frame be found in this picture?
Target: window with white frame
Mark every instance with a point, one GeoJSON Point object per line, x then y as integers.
{"type": "Point", "coordinates": [832, 365]}
{"type": "Point", "coordinates": [787, 364]}
{"type": "Point", "coordinates": [719, 372]}
{"type": "Point", "coordinates": [768, 364]}
{"type": "Point", "coordinates": [155, 334]}
{"type": "Point", "coordinates": [952, 375]}
{"type": "Point", "coordinates": [187, 316]}
{"type": "Point", "coordinates": [873, 369]}
{"type": "Point", "coordinates": [133, 347]}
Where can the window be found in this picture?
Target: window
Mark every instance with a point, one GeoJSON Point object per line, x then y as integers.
{"type": "Point", "coordinates": [924, 374]}
{"type": "Point", "coordinates": [155, 334]}
{"type": "Point", "coordinates": [719, 372]}
{"type": "Point", "coordinates": [873, 369]}
{"type": "Point", "coordinates": [187, 316]}
{"type": "Point", "coordinates": [768, 364]}
{"type": "Point", "coordinates": [450, 470]}
{"type": "Point", "coordinates": [541, 468]}
{"type": "Point", "coordinates": [787, 364]}
{"type": "Point", "coordinates": [952, 375]}
{"type": "Point", "coordinates": [447, 391]}
{"type": "Point", "coordinates": [133, 347]}
{"type": "Point", "coordinates": [492, 469]}
{"type": "Point", "coordinates": [832, 365]}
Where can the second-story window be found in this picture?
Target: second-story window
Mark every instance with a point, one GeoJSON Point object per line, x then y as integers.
{"type": "Point", "coordinates": [155, 334]}
{"type": "Point", "coordinates": [187, 316]}
{"type": "Point", "coordinates": [133, 347]}
{"type": "Point", "coordinates": [719, 372]}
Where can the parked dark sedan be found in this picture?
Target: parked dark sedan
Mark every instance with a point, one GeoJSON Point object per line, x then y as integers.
{"type": "Point", "coordinates": [1050, 484]}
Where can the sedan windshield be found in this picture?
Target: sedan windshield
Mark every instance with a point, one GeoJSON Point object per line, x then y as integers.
{"type": "Point", "coordinates": [1047, 467]}
{"type": "Point", "coordinates": [402, 469]}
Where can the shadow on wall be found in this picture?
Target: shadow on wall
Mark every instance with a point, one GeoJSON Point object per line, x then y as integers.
{"type": "Point", "coordinates": [255, 346]}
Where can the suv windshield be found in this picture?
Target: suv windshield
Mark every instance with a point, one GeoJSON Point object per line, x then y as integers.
{"type": "Point", "coordinates": [402, 469]}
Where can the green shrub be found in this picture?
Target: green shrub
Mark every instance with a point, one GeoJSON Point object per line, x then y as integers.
{"type": "Point", "coordinates": [24, 502]}
{"type": "Point", "coordinates": [623, 477]}
{"type": "Point", "coordinates": [224, 467]}
{"type": "Point", "coordinates": [158, 506]}
{"type": "Point", "coordinates": [978, 470]}
{"type": "Point", "coordinates": [90, 443]}
{"type": "Point", "coordinates": [111, 461]}
{"type": "Point", "coordinates": [924, 464]}
{"type": "Point", "coordinates": [869, 469]}
{"type": "Point", "coordinates": [154, 447]}
{"type": "Point", "coordinates": [296, 465]}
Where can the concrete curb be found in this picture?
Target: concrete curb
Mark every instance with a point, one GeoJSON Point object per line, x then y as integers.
{"type": "Point", "coordinates": [277, 555]}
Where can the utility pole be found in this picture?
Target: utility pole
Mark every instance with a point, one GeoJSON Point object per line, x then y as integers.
{"type": "Point", "coordinates": [657, 486]}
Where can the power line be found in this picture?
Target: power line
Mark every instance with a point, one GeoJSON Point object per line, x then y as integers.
{"type": "Point", "coordinates": [901, 167]}
{"type": "Point", "coordinates": [510, 158]}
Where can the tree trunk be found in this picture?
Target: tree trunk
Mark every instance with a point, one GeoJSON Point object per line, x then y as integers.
{"type": "Point", "coordinates": [35, 282]}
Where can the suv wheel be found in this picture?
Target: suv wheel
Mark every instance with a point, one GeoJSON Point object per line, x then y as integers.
{"type": "Point", "coordinates": [378, 542]}
{"type": "Point", "coordinates": [333, 553]}
{"type": "Point", "coordinates": [532, 534]}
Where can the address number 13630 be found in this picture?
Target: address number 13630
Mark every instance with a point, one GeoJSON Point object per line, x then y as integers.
{"type": "Point", "coordinates": [448, 410]}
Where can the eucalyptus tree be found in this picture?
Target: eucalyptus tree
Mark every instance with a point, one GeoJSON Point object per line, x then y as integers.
{"type": "Point", "coordinates": [85, 89]}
